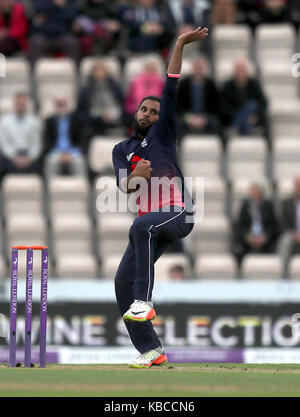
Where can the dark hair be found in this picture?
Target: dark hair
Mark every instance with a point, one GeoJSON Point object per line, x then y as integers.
{"type": "Point", "coordinates": [153, 98]}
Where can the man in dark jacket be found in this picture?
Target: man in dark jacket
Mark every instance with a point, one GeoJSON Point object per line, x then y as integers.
{"type": "Point", "coordinates": [97, 26]}
{"type": "Point", "coordinates": [256, 229]}
{"type": "Point", "coordinates": [100, 103]}
{"type": "Point", "coordinates": [150, 25]}
{"type": "Point", "coordinates": [243, 102]}
{"type": "Point", "coordinates": [198, 102]}
{"type": "Point", "coordinates": [289, 243]}
{"type": "Point", "coordinates": [63, 146]}
{"type": "Point", "coordinates": [51, 29]}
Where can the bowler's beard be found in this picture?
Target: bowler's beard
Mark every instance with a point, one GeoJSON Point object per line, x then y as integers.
{"type": "Point", "coordinates": [140, 130]}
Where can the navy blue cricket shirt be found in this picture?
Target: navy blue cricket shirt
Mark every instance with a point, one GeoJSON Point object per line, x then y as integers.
{"type": "Point", "coordinates": [159, 147]}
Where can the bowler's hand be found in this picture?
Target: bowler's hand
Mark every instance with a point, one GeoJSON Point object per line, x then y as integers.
{"type": "Point", "coordinates": [143, 169]}
{"type": "Point", "coordinates": [193, 35]}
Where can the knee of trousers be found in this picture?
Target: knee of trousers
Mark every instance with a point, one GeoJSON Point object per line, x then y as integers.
{"type": "Point", "coordinates": [139, 228]}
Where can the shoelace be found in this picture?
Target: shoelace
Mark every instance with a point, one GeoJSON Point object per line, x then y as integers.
{"type": "Point", "coordinates": [148, 355]}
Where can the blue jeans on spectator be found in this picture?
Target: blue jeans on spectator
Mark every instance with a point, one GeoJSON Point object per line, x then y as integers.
{"type": "Point", "coordinates": [242, 119]}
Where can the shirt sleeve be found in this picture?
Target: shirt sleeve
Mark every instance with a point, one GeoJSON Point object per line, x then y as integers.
{"type": "Point", "coordinates": [166, 125]}
{"type": "Point", "coordinates": [121, 167]}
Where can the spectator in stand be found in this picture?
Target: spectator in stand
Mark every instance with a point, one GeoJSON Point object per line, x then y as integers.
{"type": "Point", "coordinates": [244, 104]}
{"type": "Point", "coordinates": [294, 6]}
{"type": "Point", "coordinates": [176, 273]}
{"type": "Point", "coordinates": [20, 138]}
{"type": "Point", "coordinates": [248, 12]}
{"type": "Point", "coordinates": [148, 83]}
{"type": "Point", "coordinates": [198, 102]}
{"type": "Point", "coordinates": [100, 104]}
{"type": "Point", "coordinates": [51, 29]}
{"type": "Point", "coordinates": [274, 11]}
{"type": "Point", "coordinates": [13, 27]}
{"type": "Point", "coordinates": [97, 26]}
{"type": "Point", "coordinates": [63, 142]}
{"type": "Point", "coordinates": [256, 230]}
{"type": "Point", "coordinates": [223, 12]}
{"type": "Point", "coordinates": [189, 14]}
{"type": "Point", "coordinates": [150, 24]}
{"type": "Point", "coordinates": [289, 242]}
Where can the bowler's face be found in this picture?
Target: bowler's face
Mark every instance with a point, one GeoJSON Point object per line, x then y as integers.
{"type": "Point", "coordinates": [148, 113]}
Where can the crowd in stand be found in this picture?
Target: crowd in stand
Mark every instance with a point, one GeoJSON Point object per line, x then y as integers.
{"type": "Point", "coordinates": [77, 29]}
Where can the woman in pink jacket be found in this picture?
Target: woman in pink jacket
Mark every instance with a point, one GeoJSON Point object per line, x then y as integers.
{"type": "Point", "coordinates": [148, 83]}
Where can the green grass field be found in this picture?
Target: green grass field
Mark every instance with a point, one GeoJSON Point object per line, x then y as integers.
{"type": "Point", "coordinates": [170, 380]}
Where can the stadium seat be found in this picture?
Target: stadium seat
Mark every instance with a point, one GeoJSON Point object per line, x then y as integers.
{"type": "Point", "coordinates": [113, 232]}
{"type": "Point", "coordinates": [264, 267]}
{"type": "Point", "coordinates": [214, 191]}
{"type": "Point", "coordinates": [285, 188]}
{"type": "Point", "coordinates": [26, 229]}
{"type": "Point", "coordinates": [277, 81]}
{"type": "Point", "coordinates": [100, 153]}
{"type": "Point", "coordinates": [201, 156]}
{"type": "Point", "coordinates": [294, 268]}
{"type": "Point", "coordinates": [134, 65]}
{"type": "Point", "coordinates": [17, 78]}
{"type": "Point", "coordinates": [211, 235]}
{"type": "Point", "coordinates": [284, 117]}
{"type": "Point", "coordinates": [86, 64]}
{"type": "Point", "coordinates": [231, 39]}
{"type": "Point", "coordinates": [72, 226]}
{"type": "Point", "coordinates": [110, 265]}
{"type": "Point", "coordinates": [246, 158]}
{"type": "Point", "coordinates": [55, 77]}
{"type": "Point", "coordinates": [68, 195]}
{"type": "Point", "coordinates": [240, 191]}
{"type": "Point", "coordinates": [167, 261]}
{"type": "Point", "coordinates": [79, 266]}
{"type": "Point", "coordinates": [275, 41]}
{"type": "Point", "coordinates": [286, 159]}
{"type": "Point", "coordinates": [64, 246]}
{"type": "Point", "coordinates": [221, 266]}
{"type": "Point", "coordinates": [22, 194]}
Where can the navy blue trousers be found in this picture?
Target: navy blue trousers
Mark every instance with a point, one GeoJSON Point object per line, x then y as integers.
{"type": "Point", "coordinates": [149, 236]}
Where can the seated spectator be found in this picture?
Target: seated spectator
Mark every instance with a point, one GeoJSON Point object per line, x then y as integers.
{"type": "Point", "coordinates": [63, 142]}
{"type": "Point", "coordinates": [198, 102]}
{"type": "Point", "coordinates": [176, 273]}
{"type": "Point", "coordinates": [223, 12]}
{"type": "Point", "coordinates": [97, 26]}
{"type": "Point", "coordinates": [150, 24]}
{"type": "Point", "coordinates": [20, 138]}
{"type": "Point", "coordinates": [243, 102]}
{"type": "Point", "coordinates": [256, 229]}
{"type": "Point", "coordinates": [51, 29]}
{"type": "Point", "coordinates": [294, 6]}
{"type": "Point", "coordinates": [148, 83]}
{"type": "Point", "coordinates": [289, 243]}
{"type": "Point", "coordinates": [101, 102]}
{"type": "Point", "coordinates": [274, 11]}
{"type": "Point", "coordinates": [13, 27]}
{"type": "Point", "coordinates": [189, 14]}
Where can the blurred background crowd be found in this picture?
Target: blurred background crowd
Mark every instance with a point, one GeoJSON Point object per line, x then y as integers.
{"type": "Point", "coordinates": [76, 71]}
